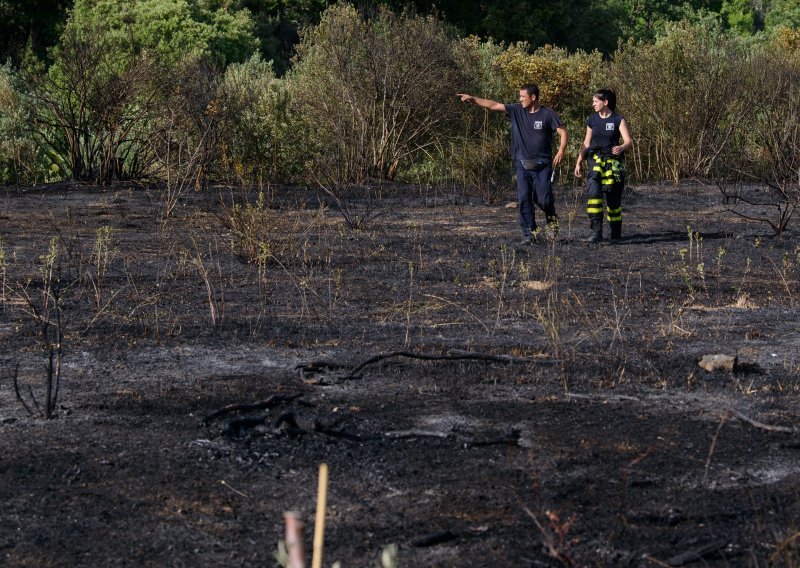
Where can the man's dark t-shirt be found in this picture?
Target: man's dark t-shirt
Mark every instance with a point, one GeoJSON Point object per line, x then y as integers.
{"type": "Point", "coordinates": [605, 131]}
{"type": "Point", "coordinates": [532, 132]}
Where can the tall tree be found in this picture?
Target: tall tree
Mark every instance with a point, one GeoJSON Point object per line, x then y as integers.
{"type": "Point", "coordinates": [37, 23]}
{"type": "Point", "coordinates": [277, 24]}
{"type": "Point", "coordinates": [783, 14]}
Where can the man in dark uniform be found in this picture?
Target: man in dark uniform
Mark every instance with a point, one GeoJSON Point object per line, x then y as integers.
{"type": "Point", "coordinates": [532, 127]}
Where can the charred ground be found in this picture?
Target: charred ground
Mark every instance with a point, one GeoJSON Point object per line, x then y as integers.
{"type": "Point", "coordinates": [588, 435]}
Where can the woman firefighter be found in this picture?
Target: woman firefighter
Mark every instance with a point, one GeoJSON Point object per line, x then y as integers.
{"type": "Point", "coordinates": [604, 153]}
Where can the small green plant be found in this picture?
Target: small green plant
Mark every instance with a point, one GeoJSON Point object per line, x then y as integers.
{"type": "Point", "coordinates": [684, 270]}
{"type": "Point", "coordinates": [784, 273]}
{"type": "Point", "coordinates": [48, 261]}
{"type": "Point", "coordinates": [701, 273]}
{"type": "Point", "coordinates": [691, 266]}
{"type": "Point", "coordinates": [524, 270]}
{"type": "Point", "coordinates": [695, 245]}
{"type": "Point", "coordinates": [503, 269]}
{"type": "Point", "coordinates": [720, 257]}
{"type": "Point", "coordinates": [745, 272]}
{"type": "Point", "coordinates": [335, 289]}
{"type": "Point", "coordinates": [281, 555]}
{"type": "Point", "coordinates": [47, 314]}
{"type": "Point", "coordinates": [212, 278]}
{"type": "Point", "coordinates": [550, 310]}
{"type": "Point", "coordinates": [102, 252]}
{"type": "Point", "coordinates": [261, 235]}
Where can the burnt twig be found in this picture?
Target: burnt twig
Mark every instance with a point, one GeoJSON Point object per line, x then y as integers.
{"type": "Point", "coordinates": [714, 445]}
{"type": "Point", "coordinates": [292, 427]}
{"type": "Point", "coordinates": [509, 438]}
{"type": "Point", "coordinates": [271, 402]}
{"type": "Point", "coordinates": [696, 554]}
{"type": "Point", "coordinates": [16, 392]}
{"type": "Point", "coordinates": [762, 426]}
{"type": "Point", "coordinates": [507, 359]}
{"type": "Point", "coordinates": [416, 433]}
{"type": "Point", "coordinates": [433, 539]}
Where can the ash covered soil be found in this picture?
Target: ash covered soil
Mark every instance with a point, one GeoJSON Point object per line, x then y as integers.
{"type": "Point", "coordinates": [560, 417]}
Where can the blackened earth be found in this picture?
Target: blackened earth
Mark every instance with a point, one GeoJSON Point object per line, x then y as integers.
{"type": "Point", "coordinates": [565, 421]}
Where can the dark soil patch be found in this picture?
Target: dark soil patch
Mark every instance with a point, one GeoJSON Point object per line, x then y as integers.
{"type": "Point", "coordinates": [600, 442]}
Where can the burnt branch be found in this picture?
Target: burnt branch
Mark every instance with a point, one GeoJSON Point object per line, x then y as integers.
{"type": "Point", "coordinates": [707, 549]}
{"type": "Point", "coordinates": [271, 402]}
{"type": "Point", "coordinates": [508, 438]}
{"type": "Point", "coordinates": [507, 359]}
{"type": "Point", "coordinates": [762, 426]}
{"type": "Point", "coordinates": [17, 393]}
{"type": "Point", "coordinates": [783, 205]}
{"type": "Point", "coordinates": [237, 426]}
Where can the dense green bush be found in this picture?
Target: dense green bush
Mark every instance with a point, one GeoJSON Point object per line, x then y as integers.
{"type": "Point", "coordinates": [376, 93]}
{"type": "Point", "coordinates": [171, 29]}
{"type": "Point", "coordinates": [565, 79]}
{"type": "Point", "coordinates": [92, 109]}
{"type": "Point", "coordinates": [22, 159]}
{"type": "Point", "coordinates": [261, 141]}
{"type": "Point", "coordinates": [682, 96]}
{"type": "Point", "coordinates": [782, 14]}
{"type": "Point", "coordinates": [760, 172]}
{"type": "Point", "coordinates": [97, 107]}
{"type": "Point", "coordinates": [170, 90]}
{"type": "Point", "coordinates": [475, 156]}
{"type": "Point", "coordinates": [479, 156]}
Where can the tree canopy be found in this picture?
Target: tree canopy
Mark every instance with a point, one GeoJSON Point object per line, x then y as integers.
{"type": "Point", "coordinates": [229, 26]}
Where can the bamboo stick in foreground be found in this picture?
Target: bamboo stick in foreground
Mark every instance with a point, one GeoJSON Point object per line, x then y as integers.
{"type": "Point", "coordinates": [319, 525]}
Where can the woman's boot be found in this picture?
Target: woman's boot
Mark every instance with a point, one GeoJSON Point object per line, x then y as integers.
{"type": "Point", "coordinates": [616, 230]}
{"type": "Point", "coordinates": [596, 225]}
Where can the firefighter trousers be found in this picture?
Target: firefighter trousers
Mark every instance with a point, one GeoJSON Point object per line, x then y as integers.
{"type": "Point", "coordinates": [604, 183]}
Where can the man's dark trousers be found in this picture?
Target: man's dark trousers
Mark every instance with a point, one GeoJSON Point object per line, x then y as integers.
{"type": "Point", "coordinates": [533, 188]}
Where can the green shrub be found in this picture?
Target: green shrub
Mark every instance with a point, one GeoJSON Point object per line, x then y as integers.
{"type": "Point", "coordinates": [477, 158]}
{"type": "Point", "coordinates": [565, 79]}
{"type": "Point", "coordinates": [96, 108]}
{"type": "Point", "coordinates": [92, 109]}
{"type": "Point", "coordinates": [376, 94]}
{"type": "Point", "coordinates": [261, 141]}
{"type": "Point", "coordinates": [478, 61]}
{"type": "Point", "coordinates": [759, 173]}
{"type": "Point", "coordinates": [171, 30]}
{"type": "Point", "coordinates": [680, 96]}
{"type": "Point", "coordinates": [22, 160]}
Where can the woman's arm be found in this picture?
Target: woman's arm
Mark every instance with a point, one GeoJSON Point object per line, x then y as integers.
{"type": "Point", "coordinates": [627, 141]}
{"type": "Point", "coordinates": [586, 141]}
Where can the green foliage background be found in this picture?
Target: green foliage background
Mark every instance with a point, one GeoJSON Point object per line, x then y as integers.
{"type": "Point", "coordinates": [262, 91]}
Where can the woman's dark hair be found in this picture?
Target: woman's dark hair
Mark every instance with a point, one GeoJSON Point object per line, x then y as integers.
{"type": "Point", "coordinates": [608, 96]}
{"type": "Point", "coordinates": [531, 89]}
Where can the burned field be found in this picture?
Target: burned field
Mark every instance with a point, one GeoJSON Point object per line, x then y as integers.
{"type": "Point", "coordinates": [478, 404]}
